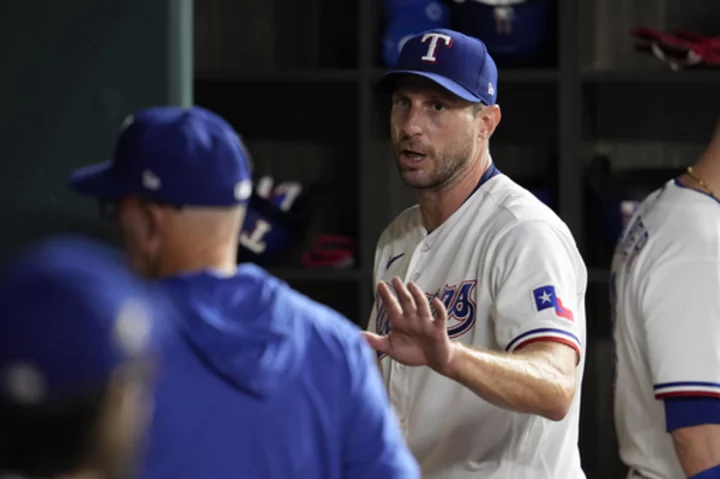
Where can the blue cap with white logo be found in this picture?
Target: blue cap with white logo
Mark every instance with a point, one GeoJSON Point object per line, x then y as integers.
{"type": "Point", "coordinates": [453, 60]}
{"type": "Point", "coordinates": [70, 315]}
{"type": "Point", "coordinates": [173, 155]}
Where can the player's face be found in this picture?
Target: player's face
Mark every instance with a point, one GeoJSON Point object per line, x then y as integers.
{"type": "Point", "coordinates": [141, 227]}
{"type": "Point", "coordinates": [435, 134]}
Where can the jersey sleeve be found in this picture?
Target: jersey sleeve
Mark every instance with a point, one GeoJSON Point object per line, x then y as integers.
{"type": "Point", "coordinates": [535, 289]}
{"type": "Point", "coordinates": [373, 444]}
{"type": "Point", "coordinates": [690, 411]}
{"type": "Point", "coordinates": [681, 312]}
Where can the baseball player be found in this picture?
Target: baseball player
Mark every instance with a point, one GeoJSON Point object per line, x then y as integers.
{"type": "Point", "coordinates": [482, 343]}
{"type": "Point", "coordinates": [257, 380]}
{"type": "Point", "coordinates": [665, 285]}
{"type": "Point", "coordinates": [76, 343]}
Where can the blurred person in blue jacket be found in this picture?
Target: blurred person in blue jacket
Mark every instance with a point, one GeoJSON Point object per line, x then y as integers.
{"type": "Point", "coordinates": [76, 344]}
{"type": "Point", "coordinates": [257, 381]}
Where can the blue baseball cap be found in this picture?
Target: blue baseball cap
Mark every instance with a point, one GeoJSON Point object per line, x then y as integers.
{"type": "Point", "coordinates": [455, 61]}
{"type": "Point", "coordinates": [173, 155]}
{"type": "Point", "coordinates": [71, 315]}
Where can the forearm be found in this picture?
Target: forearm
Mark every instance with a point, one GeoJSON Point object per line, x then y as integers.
{"type": "Point", "coordinates": [697, 447]}
{"type": "Point", "coordinates": [530, 381]}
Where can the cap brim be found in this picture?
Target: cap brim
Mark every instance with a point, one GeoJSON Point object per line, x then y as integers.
{"type": "Point", "coordinates": [387, 82]}
{"type": "Point", "coordinates": [99, 181]}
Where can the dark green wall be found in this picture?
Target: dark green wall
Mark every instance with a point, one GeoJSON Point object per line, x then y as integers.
{"type": "Point", "coordinates": [69, 73]}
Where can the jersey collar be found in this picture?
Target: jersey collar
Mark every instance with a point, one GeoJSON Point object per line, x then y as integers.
{"type": "Point", "coordinates": [491, 171]}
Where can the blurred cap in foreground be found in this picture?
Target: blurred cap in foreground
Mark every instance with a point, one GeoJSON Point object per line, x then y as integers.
{"type": "Point", "coordinates": [70, 314]}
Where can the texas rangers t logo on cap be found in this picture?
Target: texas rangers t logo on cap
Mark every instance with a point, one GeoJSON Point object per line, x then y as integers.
{"type": "Point", "coordinates": [434, 37]}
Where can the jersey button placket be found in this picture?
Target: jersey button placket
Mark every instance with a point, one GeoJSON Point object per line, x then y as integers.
{"type": "Point", "coordinates": [404, 384]}
{"type": "Point", "coordinates": [413, 272]}
{"type": "Point", "coordinates": [403, 427]}
{"type": "Point", "coordinates": [400, 371]}
{"type": "Point", "coordinates": [398, 390]}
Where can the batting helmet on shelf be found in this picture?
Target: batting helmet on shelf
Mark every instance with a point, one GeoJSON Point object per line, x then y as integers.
{"type": "Point", "coordinates": [277, 217]}
{"type": "Point", "coordinates": [405, 18]}
{"type": "Point", "coordinates": [514, 31]}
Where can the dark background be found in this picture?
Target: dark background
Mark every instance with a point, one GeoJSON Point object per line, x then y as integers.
{"type": "Point", "coordinates": [295, 78]}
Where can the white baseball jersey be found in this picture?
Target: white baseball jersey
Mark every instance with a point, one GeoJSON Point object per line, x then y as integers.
{"type": "Point", "coordinates": [509, 273]}
{"type": "Point", "coordinates": [665, 286]}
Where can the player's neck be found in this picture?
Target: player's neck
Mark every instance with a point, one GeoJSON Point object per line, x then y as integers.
{"type": "Point", "coordinates": [221, 259]}
{"type": "Point", "coordinates": [436, 206]}
{"type": "Point", "coordinates": [707, 169]}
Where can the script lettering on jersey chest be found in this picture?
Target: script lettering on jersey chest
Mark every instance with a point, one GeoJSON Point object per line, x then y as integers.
{"type": "Point", "coordinates": [635, 240]}
{"type": "Point", "coordinates": [458, 300]}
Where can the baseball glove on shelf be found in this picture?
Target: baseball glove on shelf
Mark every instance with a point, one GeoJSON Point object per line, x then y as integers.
{"type": "Point", "coordinates": [683, 50]}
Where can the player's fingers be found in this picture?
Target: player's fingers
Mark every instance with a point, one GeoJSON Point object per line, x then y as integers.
{"type": "Point", "coordinates": [390, 303]}
{"type": "Point", "coordinates": [377, 342]}
{"type": "Point", "coordinates": [440, 313]}
{"type": "Point", "coordinates": [407, 303]}
{"type": "Point", "coordinates": [421, 302]}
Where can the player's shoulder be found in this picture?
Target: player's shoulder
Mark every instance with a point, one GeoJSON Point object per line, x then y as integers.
{"type": "Point", "coordinates": [518, 211]}
{"type": "Point", "coordinates": [407, 224]}
{"type": "Point", "coordinates": [334, 342]}
{"type": "Point", "coordinates": [325, 327]}
{"type": "Point", "coordinates": [681, 218]}
{"type": "Point", "coordinates": [673, 197]}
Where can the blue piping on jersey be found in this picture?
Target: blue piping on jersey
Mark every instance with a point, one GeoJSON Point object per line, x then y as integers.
{"type": "Point", "coordinates": [491, 171]}
{"type": "Point", "coordinates": [677, 183]}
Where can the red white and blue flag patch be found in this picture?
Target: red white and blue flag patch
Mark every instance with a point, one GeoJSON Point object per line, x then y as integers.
{"type": "Point", "coordinates": [545, 297]}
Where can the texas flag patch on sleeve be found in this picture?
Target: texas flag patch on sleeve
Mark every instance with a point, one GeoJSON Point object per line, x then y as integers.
{"type": "Point", "coordinates": [546, 297]}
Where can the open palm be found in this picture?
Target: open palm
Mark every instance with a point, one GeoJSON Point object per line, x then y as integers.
{"type": "Point", "coordinates": [417, 337]}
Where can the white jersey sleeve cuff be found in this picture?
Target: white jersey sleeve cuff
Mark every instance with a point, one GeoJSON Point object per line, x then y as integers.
{"type": "Point", "coordinates": [545, 334]}
{"type": "Point", "coordinates": [686, 389]}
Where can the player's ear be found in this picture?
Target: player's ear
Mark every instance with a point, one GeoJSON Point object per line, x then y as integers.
{"type": "Point", "coordinates": [155, 220]}
{"type": "Point", "coordinates": [489, 120]}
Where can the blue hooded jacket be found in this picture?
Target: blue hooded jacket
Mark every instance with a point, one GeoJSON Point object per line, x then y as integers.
{"type": "Point", "coordinates": [258, 381]}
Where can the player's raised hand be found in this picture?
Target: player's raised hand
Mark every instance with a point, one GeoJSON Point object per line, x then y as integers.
{"type": "Point", "coordinates": [417, 336]}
